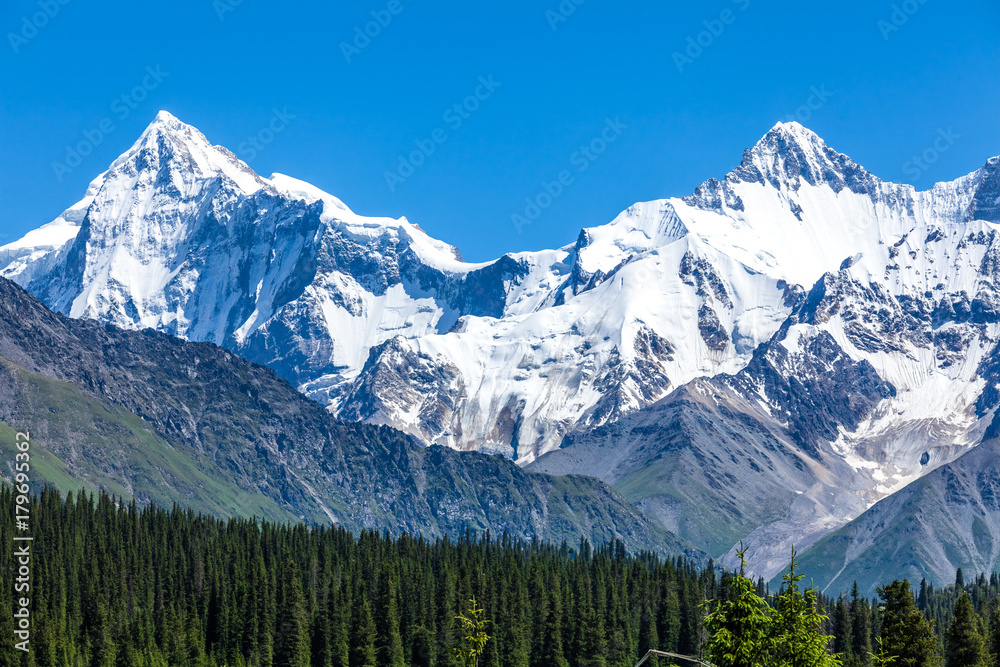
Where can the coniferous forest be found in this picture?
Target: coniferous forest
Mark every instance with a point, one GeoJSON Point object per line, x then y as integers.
{"type": "Point", "coordinates": [114, 585]}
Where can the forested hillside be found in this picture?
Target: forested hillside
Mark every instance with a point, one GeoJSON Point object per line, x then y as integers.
{"type": "Point", "coordinates": [119, 585]}
{"type": "Point", "coordinates": [114, 585]}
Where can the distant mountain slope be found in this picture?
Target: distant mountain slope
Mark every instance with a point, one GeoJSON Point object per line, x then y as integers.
{"type": "Point", "coordinates": [744, 457]}
{"type": "Point", "coordinates": [149, 416]}
{"type": "Point", "coordinates": [945, 520]}
{"type": "Point", "coordinates": [860, 392]}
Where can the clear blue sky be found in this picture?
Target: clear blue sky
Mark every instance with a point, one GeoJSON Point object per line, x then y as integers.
{"type": "Point", "coordinates": [891, 91]}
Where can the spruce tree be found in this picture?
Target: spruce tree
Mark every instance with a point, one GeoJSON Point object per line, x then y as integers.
{"type": "Point", "coordinates": [906, 634]}
{"type": "Point", "coordinates": [595, 650]}
{"type": "Point", "coordinates": [363, 635]}
{"type": "Point", "coordinates": [552, 654]}
{"type": "Point", "coordinates": [291, 641]}
{"type": "Point", "coordinates": [861, 630]}
{"type": "Point", "coordinates": [843, 640]}
{"type": "Point", "coordinates": [95, 623]}
{"type": "Point", "coordinates": [965, 644]}
{"type": "Point", "coordinates": [128, 587]}
{"type": "Point", "coordinates": [796, 637]}
{"type": "Point", "coordinates": [670, 618]}
{"type": "Point", "coordinates": [648, 635]}
{"type": "Point", "coordinates": [390, 645]}
{"type": "Point", "coordinates": [995, 633]}
{"type": "Point", "coordinates": [513, 633]}
{"type": "Point", "coordinates": [340, 626]}
{"type": "Point", "coordinates": [422, 647]}
{"type": "Point", "coordinates": [474, 637]}
{"type": "Point", "coordinates": [739, 624]}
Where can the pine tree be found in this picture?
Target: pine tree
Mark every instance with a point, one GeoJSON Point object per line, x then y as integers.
{"type": "Point", "coordinates": [552, 653]}
{"type": "Point", "coordinates": [595, 649]}
{"type": "Point", "coordinates": [390, 645]}
{"type": "Point", "coordinates": [363, 636]}
{"type": "Point", "coordinates": [739, 624]}
{"type": "Point", "coordinates": [513, 634]}
{"type": "Point", "coordinates": [906, 634]}
{"type": "Point", "coordinates": [95, 622]}
{"type": "Point", "coordinates": [648, 635]}
{"type": "Point", "coordinates": [995, 633]}
{"type": "Point", "coordinates": [474, 637]}
{"type": "Point", "coordinates": [340, 625]}
{"type": "Point", "coordinates": [422, 645]}
{"type": "Point", "coordinates": [843, 640]}
{"type": "Point", "coordinates": [797, 640]}
{"type": "Point", "coordinates": [618, 634]}
{"type": "Point", "coordinates": [670, 618]}
{"type": "Point", "coordinates": [966, 646]}
{"type": "Point", "coordinates": [291, 642]}
{"type": "Point", "coordinates": [861, 630]}
{"type": "Point", "coordinates": [127, 587]}
{"type": "Point", "coordinates": [882, 658]}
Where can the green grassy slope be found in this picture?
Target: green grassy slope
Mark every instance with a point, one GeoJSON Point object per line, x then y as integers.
{"type": "Point", "coordinates": [948, 519]}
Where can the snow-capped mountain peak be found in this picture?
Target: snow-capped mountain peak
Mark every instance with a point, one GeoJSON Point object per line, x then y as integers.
{"type": "Point", "coordinates": [168, 141]}
{"type": "Point", "coordinates": [797, 273]}
{"type": "Point", "coordinates": [790, 154]}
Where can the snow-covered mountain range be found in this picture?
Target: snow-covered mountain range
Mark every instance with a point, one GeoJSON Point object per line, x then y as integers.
{"type": "Point", "coordinates": [846, 321]}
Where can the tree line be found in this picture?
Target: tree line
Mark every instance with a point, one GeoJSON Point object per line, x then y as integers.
{"type": "Point", "coordinates": [802, 628]}
{"type": "Point", "coordinates": [955, 626]}
{"type": "Point", "coordinates": [114, 584]}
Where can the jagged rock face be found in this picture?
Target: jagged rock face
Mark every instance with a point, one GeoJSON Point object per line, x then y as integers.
{"type": "Point", "coordinates": [850, 317]}
{"type": "Point", "coordinates": [520, 383]}
{"type": "Point", "coordinates": [747, 456]}
{"type": "Point", "coordinates": [399, 376]}
{"type": "Point", "coordinates": [813, 388]}
{"type": "Point", "coordinates": [703, 461]}
{"type": "Point", "coordinates": [986, 203]}
{"type": "Point", "coordinates": [793, 158]}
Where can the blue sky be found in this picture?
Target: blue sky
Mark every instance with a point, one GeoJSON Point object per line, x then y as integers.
{"type": "Point", "coordinates": [885, 80]}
